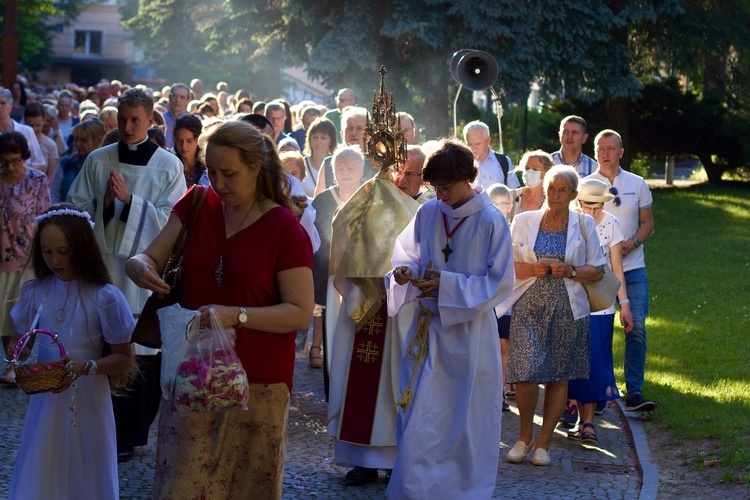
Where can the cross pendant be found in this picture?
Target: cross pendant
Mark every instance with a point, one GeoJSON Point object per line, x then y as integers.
{"type": "Point", "coordinates": [447, 251]}
{"type": "Point", "coordinates": [219, 273]}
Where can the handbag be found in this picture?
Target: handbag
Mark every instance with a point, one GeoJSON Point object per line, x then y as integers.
{"type": "Point", "coordinates": [146, 332]}
{"type": "Point", "coordinates": [601, 293]}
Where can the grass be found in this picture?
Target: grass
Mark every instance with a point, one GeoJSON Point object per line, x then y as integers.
{"type": "Point", "coordinates": [698, 365]}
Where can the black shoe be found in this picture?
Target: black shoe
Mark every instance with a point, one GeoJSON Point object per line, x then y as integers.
{"type": "Point", "coordinates": [362, 475]}
{"type": "Point", "coordinates": [600, 407]}
{"type": "Point", "coordinates": [124, 455]}
{"type": "Point", "coordinates": [506, 406]}
{"type": "Point", "coordinates": [637, 402]}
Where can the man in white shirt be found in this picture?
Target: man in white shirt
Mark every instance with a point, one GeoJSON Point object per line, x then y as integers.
{"type": "Point", "coordinates": [493, 167]}
{"type": "Point", "coordinates": [573, 134]}
{"type": "Point", "coordinates": [632, 207]}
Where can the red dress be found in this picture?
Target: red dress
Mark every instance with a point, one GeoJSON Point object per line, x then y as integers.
{"type": "Point", "coordinates": [252, 259]}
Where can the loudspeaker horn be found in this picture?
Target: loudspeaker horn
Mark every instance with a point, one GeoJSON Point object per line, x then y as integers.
{"type": "Point", "coordinates": [474, 69]}
{"type": "Point", "coordinates": [454, 62]}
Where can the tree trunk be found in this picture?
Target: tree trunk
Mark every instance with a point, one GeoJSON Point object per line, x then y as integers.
{"type": "Point", "coordinates": [617, 120]}
{"type": "Point", "coordinates": [438, 113]}
{"type": "Point", "coordinates": [714, 77]}
{"type": "Point", "coordinates": [713, 171]}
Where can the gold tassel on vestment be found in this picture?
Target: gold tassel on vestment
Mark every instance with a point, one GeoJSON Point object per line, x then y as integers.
{"type": "Point", "coordinates": [415, 351]}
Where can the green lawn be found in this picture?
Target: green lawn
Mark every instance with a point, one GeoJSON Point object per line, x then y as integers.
{"type": "Point", "coordinates": [698, 366]}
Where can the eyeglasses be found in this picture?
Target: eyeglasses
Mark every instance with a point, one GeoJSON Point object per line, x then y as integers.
{"type": "Point", "coordinates": [407, 130]}
{"type": "Point", "coordinates": [616, 201]}
{"type": "Point", "coordinates": [411, 174]}
{"type": "Point", "coordinates": [13, 162]}
{"type": "Point", "coordinates": [443, 190]}
{"type": "Point", "coordinates": [502, 204]}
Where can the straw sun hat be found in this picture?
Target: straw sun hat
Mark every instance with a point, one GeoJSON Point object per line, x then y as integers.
{"type": "Point", "coordinates": [594, 191]}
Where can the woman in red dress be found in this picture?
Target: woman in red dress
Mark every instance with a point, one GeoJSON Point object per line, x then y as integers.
{"type": "Point", "coordinates": [250, 260]}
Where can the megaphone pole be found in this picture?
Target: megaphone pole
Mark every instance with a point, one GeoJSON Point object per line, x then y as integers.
{"type": "Point", "coordinates": [455, 101]}
{"type": "Point", "coordinates": [499, 111]}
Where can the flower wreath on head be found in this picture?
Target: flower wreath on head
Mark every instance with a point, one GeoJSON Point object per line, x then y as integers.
{"type": "Point", "coordinates": [66, 211]}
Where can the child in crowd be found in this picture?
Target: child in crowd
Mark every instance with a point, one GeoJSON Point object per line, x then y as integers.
{"type": "Point", "coordinates": [68, 447]}
{"type": "Point", "coordinates": [294, 164]}
{"type": "Point", "coordinates": [500, 196]}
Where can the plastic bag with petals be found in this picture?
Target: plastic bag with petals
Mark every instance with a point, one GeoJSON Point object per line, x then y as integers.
{"type": "Point", "coordinates": [211, 376]}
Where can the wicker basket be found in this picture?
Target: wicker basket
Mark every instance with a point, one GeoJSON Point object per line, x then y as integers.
{"type": "Point", "coordinates": [39, 377]}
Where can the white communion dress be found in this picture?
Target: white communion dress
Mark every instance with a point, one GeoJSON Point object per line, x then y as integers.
{"type": "Point", "coordinates": [68, 445]}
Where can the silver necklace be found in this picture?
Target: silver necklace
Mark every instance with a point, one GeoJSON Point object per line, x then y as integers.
{"type": "Point", "coordinates": [219, 273]}
{"type": "Point", "coordinates": [61, 313]}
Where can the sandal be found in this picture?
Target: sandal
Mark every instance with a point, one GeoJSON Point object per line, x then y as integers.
{"type": "Point", "coordinates": [511, 393]}
{"type": "Point", "coordinates": [589, 436]}
{"type": "Point", "coordinates": [316, 361]}
{"type": "Point", "coordinates": [575, 434]}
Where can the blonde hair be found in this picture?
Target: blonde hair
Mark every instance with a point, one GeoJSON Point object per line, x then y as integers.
{"type": "Point", "coordinates": [294, 157]}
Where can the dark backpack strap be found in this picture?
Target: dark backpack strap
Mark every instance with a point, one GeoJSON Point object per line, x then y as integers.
{"type": "Point", "coordinates": [504, 164]}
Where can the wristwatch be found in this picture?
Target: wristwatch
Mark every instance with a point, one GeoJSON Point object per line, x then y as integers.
{"type": "Point", "coordinates": [242, 318]}
{"type": "Point", "coordinates": [636, 242]}
{"type": "Point", "coordinates": [573, 273]}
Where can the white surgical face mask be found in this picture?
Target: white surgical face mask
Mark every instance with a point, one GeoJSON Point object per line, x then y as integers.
{"type": "Point", "coordinates": [532, 178]}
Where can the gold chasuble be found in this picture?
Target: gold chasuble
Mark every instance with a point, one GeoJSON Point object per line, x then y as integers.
{"type": "Point", "coordinates": [365, 229]}
{"type": "Point", "coordinates": [364, 232]}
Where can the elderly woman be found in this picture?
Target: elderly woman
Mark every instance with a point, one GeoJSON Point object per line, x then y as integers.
{"type": "Point", "coordinates": [348, 169]}
{"type": "Point", "coordinates": [549, 334]}
{"type": "Point", "coordinates": [24, 194]}
{"type": "Point", "coordinates": [600, 386]}
{"type": "Point", "coordinates": [534, 165]}
{"type": "Point", "coordinates": [187, 130]}
{"type": "Point", "coordinates": [320, 143]}
{"type": "Point", "coordinates": [253, 265]}
{"type": "Point", "coordinates": [87, 136]}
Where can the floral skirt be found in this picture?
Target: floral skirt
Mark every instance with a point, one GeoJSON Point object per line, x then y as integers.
{"type": "Point", "coordinates": [231, 454]}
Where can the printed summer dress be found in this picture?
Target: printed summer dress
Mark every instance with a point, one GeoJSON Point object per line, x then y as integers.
{"type": "Point", "coordinates": [546, 343]}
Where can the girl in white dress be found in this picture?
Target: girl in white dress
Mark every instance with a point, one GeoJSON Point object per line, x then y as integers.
{"type": "Point", "coordinates": [68, 447]}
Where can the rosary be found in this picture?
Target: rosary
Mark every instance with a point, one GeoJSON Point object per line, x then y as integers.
{"type": "Point", "coordinates": [447, 250]}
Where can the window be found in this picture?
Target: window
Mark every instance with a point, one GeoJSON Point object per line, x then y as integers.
{"type": "Point", "coordinates": [88, 43]}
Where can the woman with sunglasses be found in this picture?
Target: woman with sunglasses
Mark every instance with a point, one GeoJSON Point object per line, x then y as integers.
{"type": "Point", "coordinates": [600, 386]}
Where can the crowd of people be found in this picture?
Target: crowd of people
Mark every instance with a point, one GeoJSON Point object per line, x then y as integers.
{"type": "Point", "coordinates": [407, 275]}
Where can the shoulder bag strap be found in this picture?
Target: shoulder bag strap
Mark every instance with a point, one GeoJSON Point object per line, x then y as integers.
{"type": "Point", "coordinates": [196, 203]}
{"type": "Point", "coordinates": [582, 222]}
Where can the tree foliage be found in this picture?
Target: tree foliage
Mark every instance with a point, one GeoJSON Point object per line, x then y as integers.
{"type": "Point", "coordinates": [592, 51]}
{"type": "Point", "coordinates": [37, 22]}
{"type": "Point", "coordinates": [669, 121]}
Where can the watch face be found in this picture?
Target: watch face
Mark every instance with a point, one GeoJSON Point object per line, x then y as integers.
{"type": "Point", "coordinates": [242, 317]}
